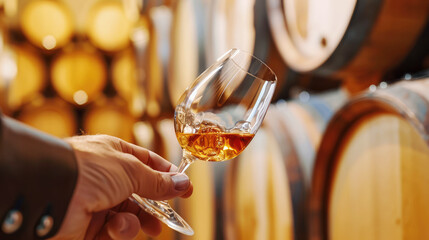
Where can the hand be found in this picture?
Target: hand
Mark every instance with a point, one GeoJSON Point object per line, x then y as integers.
{"type": "Point", "coordinates": [110, 170]}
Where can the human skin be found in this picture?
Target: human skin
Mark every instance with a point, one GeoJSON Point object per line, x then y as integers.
{"type": "Point", "coordinates": [110, 170]}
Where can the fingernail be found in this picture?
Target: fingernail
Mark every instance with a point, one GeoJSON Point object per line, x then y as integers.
{"type": "Point", "coordinates": [181, 181]}
{"type": "Point", "coordinates": [173, 168]}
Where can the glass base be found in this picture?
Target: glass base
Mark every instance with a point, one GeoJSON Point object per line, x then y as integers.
{"type": "Point", "coordinates": [165, 213]}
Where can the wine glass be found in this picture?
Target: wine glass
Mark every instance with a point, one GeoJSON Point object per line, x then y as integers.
{"type": "Point", "coordinates": [217, 117]}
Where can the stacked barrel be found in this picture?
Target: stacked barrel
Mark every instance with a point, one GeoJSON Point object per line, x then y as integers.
{"type": "Point", "coordinates": [346, 162]}
{"type": "Point", "coordinates": [105, 67]}
{"type": "Point", "coordinates": [342, 153]}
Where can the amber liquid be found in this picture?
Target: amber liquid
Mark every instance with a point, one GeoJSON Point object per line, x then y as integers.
{"type": "Point", "coordinates": [214, 146]}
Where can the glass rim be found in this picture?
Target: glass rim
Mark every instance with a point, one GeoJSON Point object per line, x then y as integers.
{"type": "Point", "coordinates": [230, 53]}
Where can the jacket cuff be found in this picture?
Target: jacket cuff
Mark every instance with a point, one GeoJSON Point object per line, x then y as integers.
{"type": "Point", "coordinates": [38, 174]}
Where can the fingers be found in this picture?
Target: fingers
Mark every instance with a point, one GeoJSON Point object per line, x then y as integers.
{"type": "Point", "coordinates": [188, 192]}
{"type": "Point", "coordinates": [149, 158]}
{"type": "Point", "coordinates": [152, 184]}
{"type": "Point", "coordinates": [97, 222]}
{"type": "Point", "coordinates": [122, 226]}
{"type": "Point", "coordinates": [148, 223]}
{"type": "Point", "coordinates": [157, 185]}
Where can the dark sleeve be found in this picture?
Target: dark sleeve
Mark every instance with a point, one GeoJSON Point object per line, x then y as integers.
{"type": "Point", "coordinates": [38, 174]}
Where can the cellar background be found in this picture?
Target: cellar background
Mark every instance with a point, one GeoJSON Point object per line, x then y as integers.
{"type": "Point", "coordinates": [118, 67]}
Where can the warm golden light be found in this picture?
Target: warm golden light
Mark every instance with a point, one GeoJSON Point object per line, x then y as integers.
{"type": "Point", "coordinates": [124, 79]}
{"type": "Point", "coordinates": [26, 73]}
{"type": "Point", "coordinates": [108, 26]}
{"type": "Point", "coordinates": [49, 42]}
{"type": "Point", "coordinates": [80, 97]}
{"type": "Point", "coordinates": [78, 73]}
{"type": "Point", "coordinates": [52, 116]}
{"type": "Point", "coordinates": [140, 36]}
{"type": "Point", "coordinates": [109, 116]}
{"type": "Point", "coordinates": [44, 21]}
{"type": "Point", "coordinates": [8, 68]}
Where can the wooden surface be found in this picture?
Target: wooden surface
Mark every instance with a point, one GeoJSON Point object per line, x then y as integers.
{"type": "Point", "coordinates": [199, 209]}
{"type": "Point", "coordinates": [109, 116]}
{"type": "Point", "coordinates": [243, 24]}
{"type": "Point", "coordinates": [108, 27]}
{"type": "Point", "coordinates": [28, 76]}
{"type": "Point", "coordinates": [357, 41]}
{"type": "Point", "coordinates": [47, 24]}
{"type": "Point", "coordinates": [79, 68]}
{"type": "Point", "coordinates": [257, 195]}
{"type": "Point", "coordinates": [184, 49]}
{"type": "Point", "coordinates": [125, 81]}
{"type": "Point", "coordinates": [379, 188]}
{"type": "Point", "coordinates": [53, 116]}
{"type": "Point", "coordinates": [267, 186]}
{"type": "Point", "coordinates": [370, 171]}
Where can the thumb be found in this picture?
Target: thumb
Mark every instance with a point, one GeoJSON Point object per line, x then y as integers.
{"type": "Point", "coordinates": [158, 185]}
{"type": "Point", "coordinates": [122, 226]}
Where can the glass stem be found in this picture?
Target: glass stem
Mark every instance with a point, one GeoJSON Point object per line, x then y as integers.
{"type": "Point", "coordinates": [185, 163]}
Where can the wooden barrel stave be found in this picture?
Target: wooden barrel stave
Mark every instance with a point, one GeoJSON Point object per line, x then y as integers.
{"type": "Point", "coordinates": [119, 123]}
{"type": "Point", "coordinates": [243, 24]}
{"type": "Point", "coordinates": [24, 78]}
{"type": "Point", "coordinates": [373, 39]}
{"type": "Point", "coordinates": [395, 117]}
{"type": "Point", "coordinates": [46, 24]}
{"type": "Point", "coordinates": [253, 216]}
{"type": "Point", "coordinates": [199, 209]}
{"type": "Point", "coordinates": [291, 134]}
{"type": "Point", "coordinates": [79, 74]}
{"type": "Point", "coordinates": [50, 115]}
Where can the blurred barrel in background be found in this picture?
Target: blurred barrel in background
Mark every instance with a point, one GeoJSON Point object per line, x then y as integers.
{"type": "Point", "coordinates": [108, 26]}
{"type": "Point", "coordinates": [371, 171]}
{"type": "Point", "coordinates": [109, 116]}
{"type": "Point", "coordinates": [125, 81]}
{"type": "Point", "coordinates": [153, 37]}
{"type": "Point", "coordinates": [23, 75]}
{"type": "Point", "coordinates": [47, 24]}
{"type": "Point", "coordinates": [199, 209]}
{"type": "Point", "coordinates": [184, 62]}
{"type": "Point", "coordinates": [172, 55]}
{"type": "Point", "coordinates": [257, 197]}
{"type": "Point", "coordinates": [243, 24]}
{"type": "Point", "coordinates": [417, 58]}
{"type": "Point", "coordinates": [79, 74]}
{"type": "Point", "coordinates": [267, 186]}
{"type": "Point", "coordinates": [357, 41]}
{"type": "Point", "coordinates": [51, 115]}
{"type": "Point", "coordinates": [118, 67]}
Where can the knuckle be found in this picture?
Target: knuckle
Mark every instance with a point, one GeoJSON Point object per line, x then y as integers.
{"type": "Point", "coordinates": [161, 185]}
{"type": "Point", "coordinates": [134, 170]}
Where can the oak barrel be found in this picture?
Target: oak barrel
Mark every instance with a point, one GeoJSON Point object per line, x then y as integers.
{"type": "Point", "coordinates": [23, 76]}
{"type": "Point", "coordinates": [199, 209]}
{"type": "Point", "coordinates": [371, 172]}
{"type": "Point", "coordinates": [79, 74]}
{"type": "Point", "coordinates": [109, 116]}
{"type": "Point", "coordinates": [47, 24]}
{"type": "Point", "coordinates": [50, 115]}
{"type": "Point", "coordinates": [357, 41]}
{"type": "Point", "coordinates": [108, 26]}
{"type": "Point", "coordinates": [244, 24]}
{"type": "Point", "coordinates": [185, 59]}
{"type": "Point", "coordinates": [266, 188]}
{"type": "Point", "coordinates": [125, 81]}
